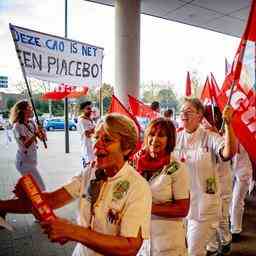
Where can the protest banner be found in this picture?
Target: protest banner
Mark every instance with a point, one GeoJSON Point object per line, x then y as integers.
{"type": "Point", "coordinates": [57, 59]}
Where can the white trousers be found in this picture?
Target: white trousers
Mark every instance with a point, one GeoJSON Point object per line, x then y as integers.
{"type": "Point", "coordinates": [167, 238]}
{"type": "Point", "coordinates": [223, 235]}
{"type": "Point", "coordinates": [199, 233]}
{"type": "Point", "coordinates": [240, 189]}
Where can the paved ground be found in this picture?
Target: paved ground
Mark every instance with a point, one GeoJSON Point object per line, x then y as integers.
{"type": "Point", "coordinates": [57, 167]}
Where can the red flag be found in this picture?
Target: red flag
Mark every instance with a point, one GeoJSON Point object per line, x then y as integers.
{"type": "Point", "coordinates": [188, 90]}
{"type": "Point", "coordinates": [215, 90]}
{"type": "Point", "coordinates": [240, 84]}
{"type": "Point", "coordinates": [214, 85]}
{"type": "Point", "coordinates": [117, 107]}
{"type": "Point", "coordinates": [206, 94]}
{"type": "Point", "coordinates": [139, 109]}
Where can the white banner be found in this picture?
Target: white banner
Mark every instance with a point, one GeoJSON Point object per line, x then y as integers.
{"type": "Point", "coordinates": [56, 59]}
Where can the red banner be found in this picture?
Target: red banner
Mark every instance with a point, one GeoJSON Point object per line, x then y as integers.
{"type": "Point", "coordinates": [244, 119]}
{"type": "Point", "coordinates": [28, 187]}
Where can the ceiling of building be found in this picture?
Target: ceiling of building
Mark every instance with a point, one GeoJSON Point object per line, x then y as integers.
{"type": "Point", "coordinates": [224, 16]}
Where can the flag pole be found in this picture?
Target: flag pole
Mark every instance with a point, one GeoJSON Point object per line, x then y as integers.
{"type": "Point", "coordinates": [66, 99]}
{"type": "Point", "coordinates": [27, 84]}
{"type": "Point", "coordinates": [212, 104]}
{"type": "Point", "coordinates": [101, 93]}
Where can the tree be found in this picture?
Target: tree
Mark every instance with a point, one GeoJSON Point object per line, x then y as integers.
{"type": "Point", "coordinates": [107, 91]}
{"type": "Point", "coordinates": [167, 98]}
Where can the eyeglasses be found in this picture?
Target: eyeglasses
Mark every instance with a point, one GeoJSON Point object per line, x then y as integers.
{"type": "Point", "coordinates": [188, 113]}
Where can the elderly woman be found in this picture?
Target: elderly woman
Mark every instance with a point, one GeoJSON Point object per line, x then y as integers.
{"type": "Point", "coordinates": [26, 134]}
{"type": "Point", "coordinates": [114, 200]}
{"type": "Point", "coordinates": [201, 150]}
{"type": "Point", "coordinates": [168, 179]}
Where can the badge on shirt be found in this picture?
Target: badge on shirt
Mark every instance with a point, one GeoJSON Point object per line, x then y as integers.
{"type": "Point", "coordinates": [120, 189]}
{"type": "Point", "coordinates": [171, 168]}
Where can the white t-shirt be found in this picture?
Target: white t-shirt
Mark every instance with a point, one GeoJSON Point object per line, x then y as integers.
{"type": "Point", "coordinates": [83, 125]}
{"type": "Point", "coordinates": [123, 206]}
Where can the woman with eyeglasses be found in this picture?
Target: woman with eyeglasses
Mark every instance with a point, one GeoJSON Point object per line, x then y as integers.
{"type": "Point", "coordinates": [26, 134]}
{"type": "Point", "coordinates": [114, 200]}
{"type": "Point", "coordinates": [200, 150]}
{"type": "Point", "coordinates": [169, 183]}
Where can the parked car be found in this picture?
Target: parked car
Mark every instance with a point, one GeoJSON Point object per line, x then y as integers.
{"type": "Point", "coordinates": [58, 124]}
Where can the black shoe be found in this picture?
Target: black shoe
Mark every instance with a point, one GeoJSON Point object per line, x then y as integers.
{"type": "Point", "coordinates": [226, 249]}
{"type": "Point", "coordinates": [215, 253]}
{"type": "Point", "coordinates": [236, 237]}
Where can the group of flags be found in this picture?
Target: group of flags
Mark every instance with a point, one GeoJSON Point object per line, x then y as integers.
{"type": "Point", "coordinates": [238, 90]}
{"type": "Point", "coordinates": [137, 109]}
{"type": "Point", "coordinates": [239, 87]}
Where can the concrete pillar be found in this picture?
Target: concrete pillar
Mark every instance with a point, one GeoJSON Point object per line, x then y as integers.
{"type": "Point", "coordinates": [127, 49]}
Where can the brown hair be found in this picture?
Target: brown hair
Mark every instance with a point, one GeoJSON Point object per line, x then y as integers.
{"type": "Point", "coordinates": [17, 111]}
{"type": "Point", "coordinates": [169, 129]}
{"type": "Point", "coordinates": [124, 127]}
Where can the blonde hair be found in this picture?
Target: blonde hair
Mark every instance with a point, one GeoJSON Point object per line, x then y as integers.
{"type": "Point", "coordinates": [197, 104]}
{"type": "Point", "coordinates": [123, 127]}
{"type": "Point", "coordinates": [17, 111]}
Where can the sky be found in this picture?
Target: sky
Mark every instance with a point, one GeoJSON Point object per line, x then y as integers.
{"type": "Point", "coordinates": [168, 49]}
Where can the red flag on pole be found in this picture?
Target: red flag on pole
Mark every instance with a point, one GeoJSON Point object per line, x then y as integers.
{"type": "Point", "coordinates": [117, 107]}
{"type": "Point", "coordinates": [188, 90]}
{"type": "Point", "coordinates": [206, 94]}
{"type": "Point", "coordinates": [139, 109]}
{"type": "Point", "coordinates": [214, 86]}
{"type": "Point", "coordinates": [238, 87]}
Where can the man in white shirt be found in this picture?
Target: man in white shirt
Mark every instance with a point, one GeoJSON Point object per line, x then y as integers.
{"type": "Point", "coordinates": [85, 127]}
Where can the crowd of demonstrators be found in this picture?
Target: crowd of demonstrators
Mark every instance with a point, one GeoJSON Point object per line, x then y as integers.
{"type": "Point", "coordinates": [199, 149]}
{"type": "Point", "coordinates": [26, 134]}
{"type": "Point", "coordinates": [188, 174]}
{"type": "Point", "coordinates": [85, 127]}
{"type": "Point", "coordinates": [169, 183]}
{"type": "Point", "coordinates": [114, 200]}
